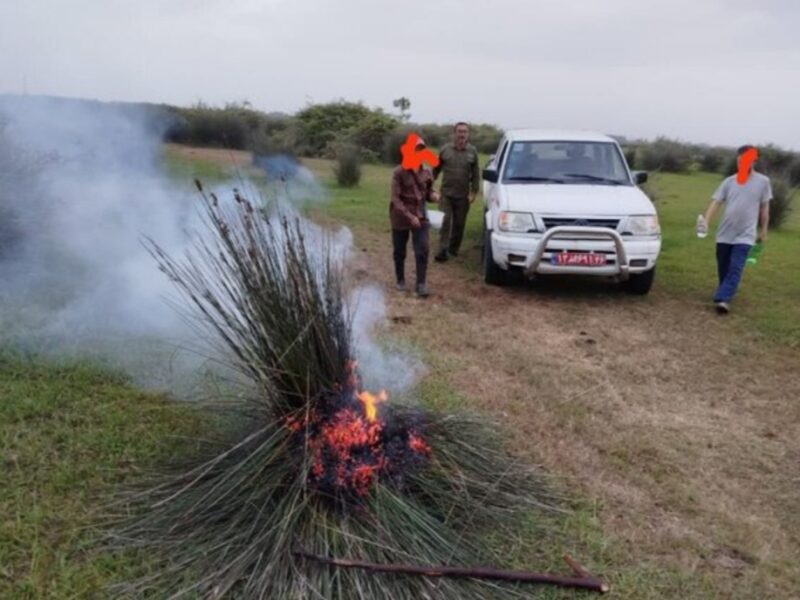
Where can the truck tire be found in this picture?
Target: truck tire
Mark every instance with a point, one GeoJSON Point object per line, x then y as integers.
{"type": "Point", "coordinates": [492, 274]}
{"type": "Point", "coordinates": [639, 284]}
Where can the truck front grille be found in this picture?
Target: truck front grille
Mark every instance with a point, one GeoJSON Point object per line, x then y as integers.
{"type": "Point", "coordinates": [550, 222]}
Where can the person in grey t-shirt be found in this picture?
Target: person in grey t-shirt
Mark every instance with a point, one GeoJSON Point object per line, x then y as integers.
{"type": "Point", "coordinates": [745, 221]}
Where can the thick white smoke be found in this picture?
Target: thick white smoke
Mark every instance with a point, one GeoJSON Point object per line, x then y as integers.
{"type": "Point", "coordinates": [76, 278]}
{"type": "Point", "coordinates": [380, 367]}
{"type": "Point", "coordinates": [86, 183]}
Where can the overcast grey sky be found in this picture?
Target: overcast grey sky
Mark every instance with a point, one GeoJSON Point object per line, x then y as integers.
{"type": "Point", "coordinates": [721, 71]}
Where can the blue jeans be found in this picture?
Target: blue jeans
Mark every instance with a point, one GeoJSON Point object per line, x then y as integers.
{"type": "Point", "coordinates": [731, 259]}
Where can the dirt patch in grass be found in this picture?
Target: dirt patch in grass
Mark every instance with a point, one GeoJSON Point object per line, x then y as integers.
{"type": "Point", "coordinates": [684, 432]}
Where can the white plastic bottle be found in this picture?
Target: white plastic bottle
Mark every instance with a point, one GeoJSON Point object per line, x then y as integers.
{"type": "Point", "coordinates": [702, 226]}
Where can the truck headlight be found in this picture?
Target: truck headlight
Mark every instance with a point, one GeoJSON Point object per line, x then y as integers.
{"type": "Point", "coordinates": [516, 222]}
{"type": "Point", "coordinates": [643, 225]}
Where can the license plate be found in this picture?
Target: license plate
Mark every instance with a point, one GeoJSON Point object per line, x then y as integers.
{"type": "Point", "coordinates": [578, 259]}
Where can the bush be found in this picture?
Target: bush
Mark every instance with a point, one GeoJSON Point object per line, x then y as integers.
{"type": "Point", "coordinates": [229, 127]}
{"type": "Point", "coordinates": [277, 135]}
{"type": "Point", "coordinates": [314, 131]}
{"type": "Point", "coordinates": [392, 143]}
{"type": "Point", "coordinates": [435, 135]}
{"type": "Point", "coordinates": [731, 166]}
{"type": "Point", "coordinates": [712, 160]}
{"type": "Point", "coordinates": [782, 198]}
{"type": "Point", "coordinates": [322, 125]}
{"type": "Point", "coordinates": [348, 165]}
{"type": "Point", "coordinates": [485, 137]}
{"type": "Point", "coordinates": [774, 159]}
{"type": "Point", "coordinates": [369, 134]}
{"type": "Point", "coordinates": [665, 155]}
{"type": "Point", "coordinates": [630, 157]}
{"type": "Point", "coordinates": [793, 172]}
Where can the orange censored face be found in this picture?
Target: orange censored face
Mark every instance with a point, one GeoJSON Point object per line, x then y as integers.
{"type": "Point", "coordinates": [413, 158]}
{"type": "Point", "coordinates": [746, 162]}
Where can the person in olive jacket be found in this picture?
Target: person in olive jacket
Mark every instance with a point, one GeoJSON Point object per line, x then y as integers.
{"type": "Point", "coordinates": [411, 189]}
{"type": "Point", "coordinates": [461, 177]}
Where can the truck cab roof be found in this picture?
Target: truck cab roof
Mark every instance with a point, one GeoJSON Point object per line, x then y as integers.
{"type": "Point", "coordinates": [556, 135]}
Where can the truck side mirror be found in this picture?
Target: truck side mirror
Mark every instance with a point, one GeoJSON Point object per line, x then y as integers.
{"type": "Point", "coordinates": [490, 175]}
{"type": "Point", "coordinates": [640, 177]}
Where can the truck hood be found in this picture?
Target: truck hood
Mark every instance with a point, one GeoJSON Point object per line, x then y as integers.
{"type": "Point", "coordinates": [579, 200]}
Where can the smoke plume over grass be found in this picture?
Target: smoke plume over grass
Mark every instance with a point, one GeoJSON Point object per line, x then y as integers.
{"type": "Point", "coordinates": [76, 278]}
{"type": "Point", "coordinates": [81, 185]}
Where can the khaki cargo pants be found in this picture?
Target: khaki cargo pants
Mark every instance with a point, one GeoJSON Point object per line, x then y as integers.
{"type": "Point", "coordinates": [455, 219]}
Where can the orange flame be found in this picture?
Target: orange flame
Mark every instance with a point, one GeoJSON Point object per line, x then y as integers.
{"type": "Point", "coordinates": [370, 402]}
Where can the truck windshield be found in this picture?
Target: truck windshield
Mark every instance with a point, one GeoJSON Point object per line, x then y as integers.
{"type": "Point", "coordinates": [584, 163]}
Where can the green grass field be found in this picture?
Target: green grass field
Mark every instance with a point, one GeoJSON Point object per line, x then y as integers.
{"type": "Point", "coordinates": [70, 434]}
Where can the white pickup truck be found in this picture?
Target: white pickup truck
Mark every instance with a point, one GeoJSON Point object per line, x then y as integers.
{"type": "Point", "coordinates": [561, 202]}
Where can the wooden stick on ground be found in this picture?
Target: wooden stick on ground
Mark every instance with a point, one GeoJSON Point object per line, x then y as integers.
{"type": "Point", "coordinates": [582, 579]}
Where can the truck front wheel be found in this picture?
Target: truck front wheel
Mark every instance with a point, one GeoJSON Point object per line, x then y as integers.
{"type": "Point", "coordinates": [492, 274]}
{"type": "Point", "coordinates": [640, 283]}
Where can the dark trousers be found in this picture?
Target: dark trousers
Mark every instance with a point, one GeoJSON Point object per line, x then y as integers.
{"type": "Point", "coordinates": [731, 259]}
{"type": "Point", "coordinates": [455, 219]}
{"type": "Point", "coordinates": [420, 242]}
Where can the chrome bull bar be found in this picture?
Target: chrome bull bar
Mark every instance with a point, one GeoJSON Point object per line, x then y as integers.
{"type": "Point", "coordinates": [621, 269]}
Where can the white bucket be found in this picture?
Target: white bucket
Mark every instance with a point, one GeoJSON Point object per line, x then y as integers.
{"type": "Point", "coordinates": [436, 218]}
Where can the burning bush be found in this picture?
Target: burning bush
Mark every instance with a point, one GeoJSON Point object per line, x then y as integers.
{"type": "Point", "coordinates": [311, 460]}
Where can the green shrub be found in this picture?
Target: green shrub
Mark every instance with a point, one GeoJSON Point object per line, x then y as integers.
{"type": "Point", "coordinates": [712, 160]}
{"type": "Point", "coordinates": [434, 134]}
{"type": "Point", "coordinates": [229, 127]}
{"type": "Point", "coordinates": [348, 165]}
{"type": "Point", "coordinates": [793, 172]}
{"type": "Point", "coordinates": [665, 155]}
{"type": "Point", "coordinates": [630, 157]}
{"type": "Point", "coordinates": [485, 137]}
{"type": "Point", "coordinates": [324, 124]}
{"type": "Point", "coordinates": [369, 134]}
{"type": "Point", "coordinates": [277, 135]}
{"type": "Point", "coordinates": [392, 143]}
{"type": "Point", "coordinates": [731, 166]}
{"type": "Point", "coordinates": [782, 198]}
{"type": "Point", "coordinates": [774, 159]}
